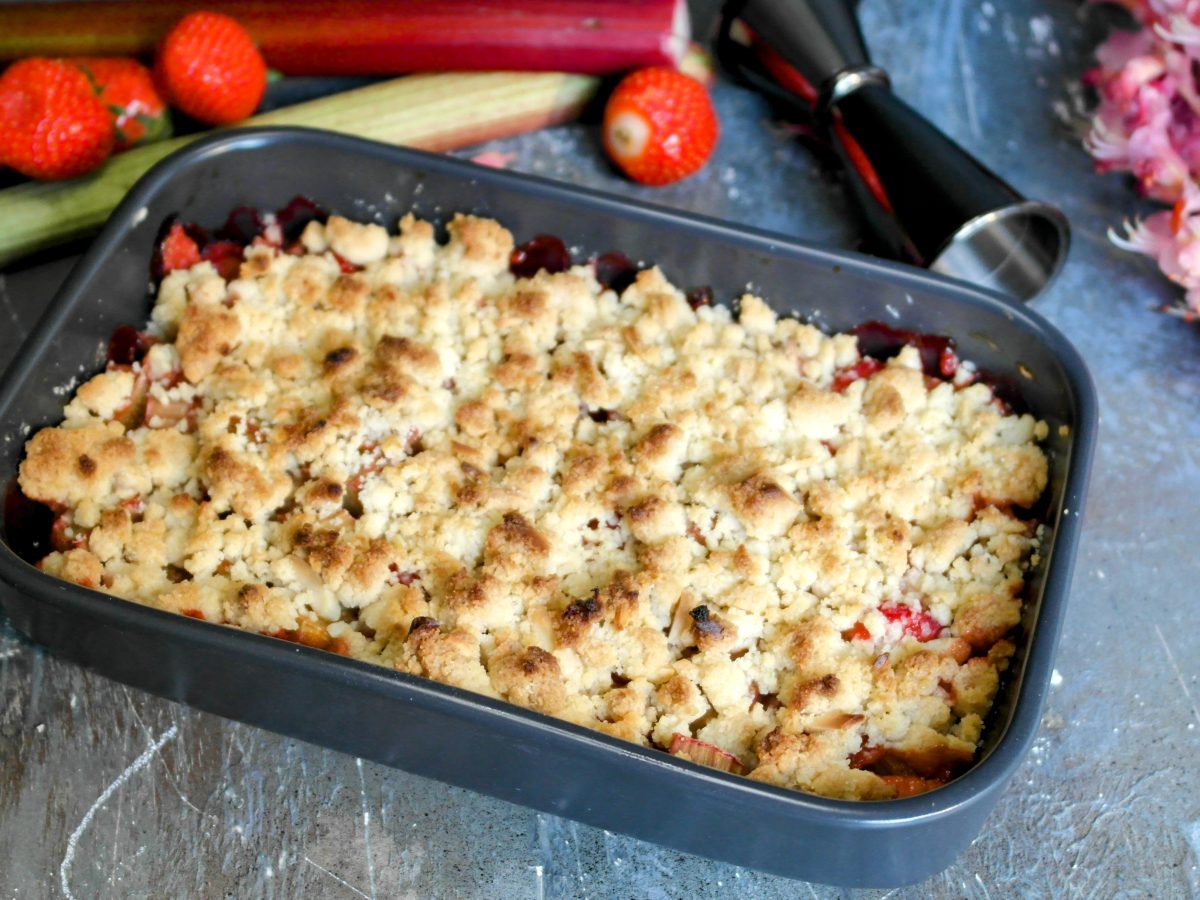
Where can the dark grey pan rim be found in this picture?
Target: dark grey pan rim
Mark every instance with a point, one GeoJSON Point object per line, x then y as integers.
{"type": "Point", "coordinates": [995, 769]}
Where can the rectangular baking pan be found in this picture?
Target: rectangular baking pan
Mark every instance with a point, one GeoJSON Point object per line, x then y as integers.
{"type": "Point", "coordinates": [468, 740]}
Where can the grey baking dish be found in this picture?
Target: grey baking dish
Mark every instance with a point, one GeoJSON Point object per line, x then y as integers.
{"type": "Point", "coordinates": [467, 740]}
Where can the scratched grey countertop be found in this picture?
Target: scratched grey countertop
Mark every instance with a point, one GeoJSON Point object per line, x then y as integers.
{"type": "Point", "coordinates": [108, 792]}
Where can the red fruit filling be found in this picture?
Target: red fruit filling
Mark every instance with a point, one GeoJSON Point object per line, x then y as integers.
{"type": "Point", "coordinates": [181, 245]}
{"type": "Point", "coordinates": [615, 271]}
{"type": "Point", "coordinates": [880, 341]}
{"type": "Point", "coordinates": [226, 257]}
{"type": "Point", "coordinates": [128, 345]}
{"type": "Point", "coordinates": [544, 252]}
{"type": "Point", "coordinates": [177, 250]}
{"type": "Point", "coordinates": [700, 296]}
{"type": "Point", "coordinates": [864, 368]}
{"type": "Point", "coordinates": [916, 623]}
{"type": "Point", "coordinates": [857, 632]}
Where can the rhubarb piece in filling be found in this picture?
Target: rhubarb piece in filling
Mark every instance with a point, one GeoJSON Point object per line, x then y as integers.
{"type": "Point", "coordinates": [738, 540]}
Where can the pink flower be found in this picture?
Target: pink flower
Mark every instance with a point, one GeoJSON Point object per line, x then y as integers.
{"type": "Point", "coordinates": [1172, 238]}
{"type": "Point", "coordinates": [1148, 123]}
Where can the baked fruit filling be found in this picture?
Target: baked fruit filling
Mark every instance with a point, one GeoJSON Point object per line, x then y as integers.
{"type": "Point", "coordinates": [736, 539]}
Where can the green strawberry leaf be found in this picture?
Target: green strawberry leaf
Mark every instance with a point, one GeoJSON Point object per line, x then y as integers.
{"type": "Point", "coordinates": [158, 128]}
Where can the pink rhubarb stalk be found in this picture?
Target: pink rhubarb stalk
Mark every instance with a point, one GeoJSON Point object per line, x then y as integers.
{"type": "Point", "coordinates": [377, 37]}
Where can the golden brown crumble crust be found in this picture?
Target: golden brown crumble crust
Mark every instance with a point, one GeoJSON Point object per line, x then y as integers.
{"type": "Point", "coordinates": [655, 521]}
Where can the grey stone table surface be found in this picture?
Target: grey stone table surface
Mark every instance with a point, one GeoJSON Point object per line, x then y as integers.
{"type": "Point", "coordinates": [108, 792]}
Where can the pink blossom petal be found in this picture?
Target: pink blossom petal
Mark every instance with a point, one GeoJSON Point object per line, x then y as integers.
{"type": "Point", "coordinates": [1123, 46]}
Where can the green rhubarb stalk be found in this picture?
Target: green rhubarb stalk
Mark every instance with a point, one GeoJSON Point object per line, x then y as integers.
{"type": "Point", "coordinates": [431, 112]}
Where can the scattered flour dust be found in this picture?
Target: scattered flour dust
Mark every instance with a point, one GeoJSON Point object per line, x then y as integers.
{"type": "Point", "coordinates": [1041, 29]}
{"type": "Point", "coordinates": [64, 870]}
{"type": "Point", "coordinates": [1191, 830]}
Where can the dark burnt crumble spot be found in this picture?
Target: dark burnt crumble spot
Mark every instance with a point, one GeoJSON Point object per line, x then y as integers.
{"type": "Point", "coordinates": [423, 626]}
{"type": "Point", "coordinates": [338, 358]}
{"type": "Point", "coordinates": [177, 574]}
{"type": "Point", "coordinates": [702, 623]}
{"type": "Point", "coordinates": [534, 660]}
{"type": "Point", "coordinates": [412, 443]}
{"type": "Point", "coordinates": [583, 611]}
{"type": "Point", "coordinates": [805, 694]}
{"type": "Point", "coordinates": [515, 533]}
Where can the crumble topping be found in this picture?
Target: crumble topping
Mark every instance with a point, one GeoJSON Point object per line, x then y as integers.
{"type": "Point", "coordinates": [724, 537]}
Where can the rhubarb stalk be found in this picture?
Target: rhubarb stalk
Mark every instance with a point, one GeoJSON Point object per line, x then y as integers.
{"type": "Point", "coordinates": [705, 754]}
{"type": "Point", "coordinates": [431, 112]}
{"type": "Point", "coordinates": [376, 37]}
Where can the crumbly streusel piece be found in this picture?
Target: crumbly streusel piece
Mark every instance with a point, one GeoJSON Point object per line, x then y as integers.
{"type": "Point", "coordinates": [652, 520]}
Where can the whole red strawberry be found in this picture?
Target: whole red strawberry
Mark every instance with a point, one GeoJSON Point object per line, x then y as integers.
{"type": "Point", "coordinates": [52, 125]}
{"type": "Point", "coordinates": [659, 126]}
{"type": "Point", "coordinates": [210, 69]}
{"type": "Point", "coordinates": [127, 88]}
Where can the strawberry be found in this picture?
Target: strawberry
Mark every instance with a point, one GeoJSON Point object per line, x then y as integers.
{"type": "Point", "coordinates": [210, 69]}
{"type": "Point", "coordinates": [659, 126]}
{"type": "Point", "coordinates": [226, 257]}
{"type": "Point", "coordinates": [52, 125]}
{"type": "Point", "coordinates": [857, 632]}
{"type": "Point", "coordinates": [176, 250]}
{"type": "Point", "coordinates": [127, 88]}
{"type": "Point", "coordinates": [915, 622]}
{"type": "Point", "coordinates": [864, 368]}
